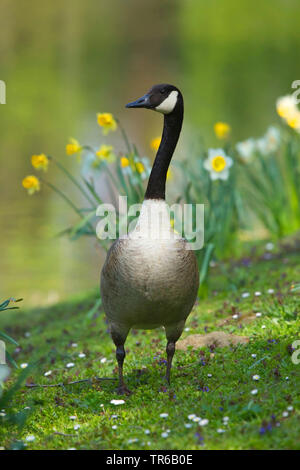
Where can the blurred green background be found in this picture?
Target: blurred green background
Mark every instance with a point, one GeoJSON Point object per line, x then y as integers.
{"type": "Point", "coordinates": [64, 61]}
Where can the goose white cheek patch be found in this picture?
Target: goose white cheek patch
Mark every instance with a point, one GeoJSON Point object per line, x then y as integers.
{"type": "Point", "coordinates": [168, 104]}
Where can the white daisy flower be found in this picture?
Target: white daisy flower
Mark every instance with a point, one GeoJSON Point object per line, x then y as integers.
{"type": "Point", "coordinates": [188, 425]}
{"type": "Point", "coordinates": [72, 417]}
{"type": "Point", "coordinates": [209, 375]}
{"type": "Point", "coordinates": [263, 326]}
{"type": "Point", "coordinates": [2, 413]}
{"type": "Point", "coordinates": [77, 426]}
{"type": "Point", "coordinates": [256, 377]}
{"type": "Point", "coordinates": [220, 430]}
{"type": "Point", "coordinates": [114, 426]}
{"type": "Point", "coordinates": [235, 316]}
{"type": "Point", "coordinates": [257, 293]}
{"type": "Point", "coordinates": [203, 422]}
{"type": "Point", "coordinates": [218, 164]}
{"type": "Point", "coordinates": [147, 431]}
{"type": "Point", "coordinates": [70, 364]}
{"type": "Point", "coordinates": [164, 434]}
{"type": "Point", "coordinates": [191, 416]}
{"type": "Point", "coordinates": [258, 314]}
{"type": "Point", "coordinates": [103, 360]}
{"type": "Point", "coordinates": [117, 402]}
{"type": "Point", "coordinates": [246, 148]}
{"type": "Point", "coordinates": [24, 365]}
{"type": "Point", "coordinates": [271, 291]}
{"type": "Point", "coordinates": [269, 246]}
{"type": "Point", "coordinates": [74, 345]}
{"type": "Point", "coordinates": [30, 438]}
{"type": "Point", "coordinates": [49, 372]}
{"type": "Point", "coordinates": [254, 391]}
{"type": "Point", "coordinates": [226, 419]}
{"type": "Point", "coordinates": [285, 414]}
{"type": "Point", "coordinates": [131, 441]}
{"type": "Point", "coordinates": [245, 295]}
{"type": "Point", "coordinates": [163, 415]}
{"type": "Point", "coordinates": [81, 355]}
{"type": "Point", "coordinates": [290, 408]}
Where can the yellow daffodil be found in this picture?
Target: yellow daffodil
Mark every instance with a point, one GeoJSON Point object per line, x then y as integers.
{"type": "Point", "coordinates": [294, 121]}
{"type": "Point", "coordinates": [155, 143]}
{"type": "Point", "coordinates": [286, 106]}
{"type": "Point", "coordinates": [222, 130]}
{"type": "Point", "coordinates": [73, 147]}
{"type": "Point", "coordinates": [107, 122]}
{"type": "Point", "coordinates": [105, 153]}
{"type": "Point", "coordinates": [31, 183]}
{"type": "Point", "coordinates": [40, 162]}
{"type": "Point", "coordinates": [124, 162]}
{"type": "Point", "coordinates": [218, 164]}
{"type": "Point", "coordinates": [140, 167]}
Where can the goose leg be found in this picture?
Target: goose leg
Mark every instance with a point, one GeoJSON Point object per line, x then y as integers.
{"type": "Point", "coordinates": [119, 336]}
{"type": "Point", "coordinates": [173, 333]}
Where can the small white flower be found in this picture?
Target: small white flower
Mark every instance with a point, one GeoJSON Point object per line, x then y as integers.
{"type": "Point", "coordinates": [70, 364]}
{"type": "Point", "coordinates": [164, 415]}
{"type": "Point", "coordinates": [164, 434]}
{"type": "Point", "coordinates": [285, 414]}
{"type": "Point", "coordinates": [258, 314]}
{"type": "Point", "coordinates": [147, 431]}
{"type": "Point", "coordinates": [191, 416]}
{"type": "Point", "coordinates": [103, 360]}
{"type": "Point", "coordinates": [226, 419]}
{"type": "Point", "coordinates": [197, 419]}
{"type": "Point", "coordinates": [269, 142]}
{"type": "Point", "coordinates": [220, 430]}
{"type": "Point", "coordinates": [271, 291]}
{"type": "Point", "coordinates": [209, 375]}
{"type": "Point", "coordinates": [49, 372]}
{"type": "Point", "coordinates": [27, 408]}
{"type": "Point", "coordinates": [72, 448]}
{"type": "Point", "coordinates": [246, 149]}
{"type": "Point", "coordinates": [257, 293]}
{"type": "Point", "coordinates": [256, 377]}
{"type": "Point", "coordinates": [117, 402]}
{"type": "Point", "coordinates": [131, 441]}
{"type": "Point", "coordinates": [290, 408]}
{"type": "Point", "coordinates": [218, 164]}
{"type": "Point", "coordinates": [269, 246]}
{"type": "Point", "coordinates": [77, 426]}
{"type": "Point", "coordinates": [2, 413]}
{"type": "Point", "coordinates": [27, 334]}
{"type": "Point", "coordinates": [24, 365]}
{"type": "Point", "coordinates": [188, 425]}
{"type": "Point", "coordinates": [30, 438]}
{"type": "Point", "coordinates": [74, 345]}
{"type": "Point", "coordinates": [287, 378]}
{"type": "Point", "coordinates": [72, 417]}
{"type": "Point", "coordinates": [235, 316]}
{"type": "Point", "coordinates": [81, 355]}
{"type": "Point", "coordinates": [253, 355]}
{"type": "Point", "coordinates": [263, 326]}
{"type": "Point", "coordinates": [114, 426]}
{"type": "Point", "coordinates": [254, 391]}
{"type": "Point", "coordinates": [114, 416]}
{"type": "Point", "coordinates": [187, 329]}
{"type": "Point", "coordinates": [203, 422]}
{"type": "Point", "coordinates": [245, 295]}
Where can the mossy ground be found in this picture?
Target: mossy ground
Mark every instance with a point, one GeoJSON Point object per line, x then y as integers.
{"type": "Point", "coordinates": [53, 337]}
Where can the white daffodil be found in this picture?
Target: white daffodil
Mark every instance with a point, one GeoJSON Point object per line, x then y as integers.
{"type": "Point", "coordinates": [246, 149]}
{"type": "Point", "coordinates": [286, 106]}
{"type": "Point", "coordinates": [269, 142]}
{"type": "Point", "coordinates": [218, 164]}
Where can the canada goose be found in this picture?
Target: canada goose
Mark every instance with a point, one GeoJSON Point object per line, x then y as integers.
{"type": "Point", "coordinates": [150, 278]}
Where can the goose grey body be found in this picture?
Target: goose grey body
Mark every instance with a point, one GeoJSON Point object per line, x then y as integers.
{"type": "Point", "coordinates": [150, 277]}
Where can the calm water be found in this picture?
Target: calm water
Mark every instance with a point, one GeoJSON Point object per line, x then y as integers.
{"type": "Point", "coordinates": [65, 61]}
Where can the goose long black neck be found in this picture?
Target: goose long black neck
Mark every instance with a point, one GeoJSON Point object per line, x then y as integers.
{"type": "Point", "coordinates": [172, 126]}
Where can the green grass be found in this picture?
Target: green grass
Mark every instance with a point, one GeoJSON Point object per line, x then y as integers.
{"type": "Point", "coordinates": [255, 421]}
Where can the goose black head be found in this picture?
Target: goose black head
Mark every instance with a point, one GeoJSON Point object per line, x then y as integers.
{"type": "Point", "coordinates": [163, 98]}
